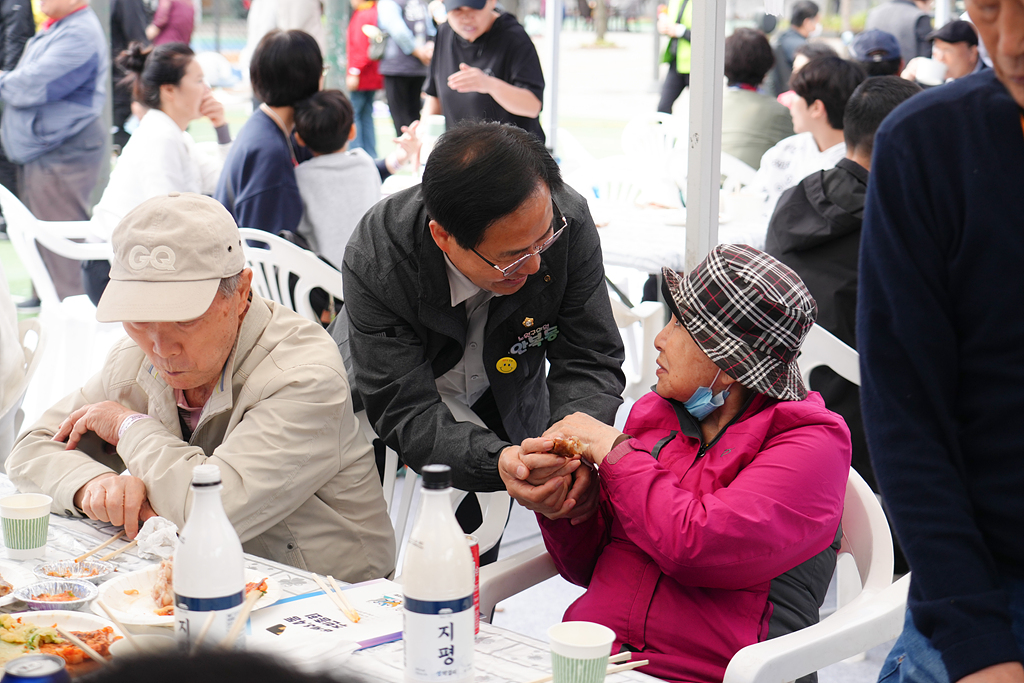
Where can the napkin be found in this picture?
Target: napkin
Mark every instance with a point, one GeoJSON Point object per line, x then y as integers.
{"type": "Point", "coordinates": [158, 538]}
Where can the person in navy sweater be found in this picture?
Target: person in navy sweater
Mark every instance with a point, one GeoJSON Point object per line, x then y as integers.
{"type": "Point", "coordinates": [257, 185]}
{"type": "Point", "coordinates": [941, 338]}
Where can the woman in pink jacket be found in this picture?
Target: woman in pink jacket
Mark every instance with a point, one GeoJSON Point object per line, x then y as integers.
{"type": "Point", "coordinates": [717, 511]}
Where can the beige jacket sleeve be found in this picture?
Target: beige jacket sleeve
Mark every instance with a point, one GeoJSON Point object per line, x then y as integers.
{"type": "Point", "coordinates": [284, 441]}
{"type": "Point", "coordinates": [39, 464]}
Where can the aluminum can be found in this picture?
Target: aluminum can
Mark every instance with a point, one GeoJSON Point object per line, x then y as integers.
{"type": "Point", "coordinates": [474, 546]}
{"type": "Point", "coordinates": [37, 669]}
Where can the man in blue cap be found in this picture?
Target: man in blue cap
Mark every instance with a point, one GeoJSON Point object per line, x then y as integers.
{"type": "Point", "coordinates": [878, 52]}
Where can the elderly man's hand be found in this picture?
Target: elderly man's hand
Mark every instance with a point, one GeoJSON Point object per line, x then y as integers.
{"type": "Point", "coordinates": [102, 418]}
{"type": "Point", "coordinates": [118, 499]}
{"type": "Point", "coordinates": [596, 437]}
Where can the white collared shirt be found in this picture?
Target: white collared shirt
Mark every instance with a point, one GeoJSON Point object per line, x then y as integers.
{"type": "Point", "coordinates": [789, 162]}
{"type": "Point", "coordinates": [467, 381]}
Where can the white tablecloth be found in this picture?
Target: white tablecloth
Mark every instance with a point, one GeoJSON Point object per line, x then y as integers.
{"type": "Point", "coordinates": [647, 238]}
{"type": "Point", "coordinates": [502, 656]}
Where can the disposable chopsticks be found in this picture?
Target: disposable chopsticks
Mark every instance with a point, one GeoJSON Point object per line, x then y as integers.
{"type": "Point", "coordinates": [337, 598]}
{"type": "Point", "coordinates": [243, 617]}
{"type": "Point", "coordinates": [127, 546]}
{"type": "Point", "coordinates": [117, 622]}
{"type": "Point", "coordinates": [80, 645]}
{"type": "Point", "coordinates": [101, 546]}
{"type": "Point", "coordinates": [614, 659]}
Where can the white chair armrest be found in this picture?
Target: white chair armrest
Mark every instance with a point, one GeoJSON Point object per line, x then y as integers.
{"type": "Point", "coordinates": [868, 620]}
{"type": "Point", "coordinates": [512, 575]}
{"type": "Point", "coordinates": [77, 251]}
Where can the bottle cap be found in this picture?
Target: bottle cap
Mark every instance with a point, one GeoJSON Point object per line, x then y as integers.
{"type": "Point", "coordinates": [436, 476]}
{"type": "Point", "coordinates": [205, 475]}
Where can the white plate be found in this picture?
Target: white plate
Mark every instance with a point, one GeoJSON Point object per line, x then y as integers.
{"type": "Point", "coordinates": [71, 621]}
{"type": "Point", "coordinates": [140, 610]}
{"type": "Point", "coordinates": [18, 576]}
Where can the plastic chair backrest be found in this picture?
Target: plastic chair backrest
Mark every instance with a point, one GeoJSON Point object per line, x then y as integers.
{"type": "Point", "coordinates": [21, 229]}
{"type": "Point", "coordinates": [25, 230]}
{"type": "Point", "coordinates": [274, 260]}
{"type": "Point", "coordinates": [640, 356]}
{"type": "Point", "coordinates": [653, 137]}
{"type": "Point", "coordinates": [11, 417]}
{"type": "Point", "coordinates": [822, 348]}
{"type": "Point", "coordinates": [494, 506]}
{"type": "Point", "coordinates": [735, 173]}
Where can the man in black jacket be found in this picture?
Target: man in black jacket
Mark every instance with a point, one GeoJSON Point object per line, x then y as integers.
{"type": "Point", "coordinates": [16, 27]}
{"type": "Point", "coordinates": [480, 297]}
{"type": "Point", "coordinates": [815, 230]}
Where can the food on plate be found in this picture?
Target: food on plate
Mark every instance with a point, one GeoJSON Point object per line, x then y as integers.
{"type": "Point", "coordinates": [68, 573]}
{"type": "Point", "coordinates": [254, 586]}
{"type": "Point", "coordinates": [5, 587]}
{"type": "Point", "coordinates": [131, 591]}
{"type": "Point", "coordinates": [66, 596]}
{"type": "Point", "coordinates": [163, 589]}
{"type": "Point", "coordinates": [165, 611]}
{"type": "Point", "coordinates": [20, 637]}
{"type": "Point", "coordinates": [569, 447]}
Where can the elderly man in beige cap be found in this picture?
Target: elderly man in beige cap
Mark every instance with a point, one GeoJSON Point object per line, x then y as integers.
{"type": "Point", "coordinates": [212, 373]}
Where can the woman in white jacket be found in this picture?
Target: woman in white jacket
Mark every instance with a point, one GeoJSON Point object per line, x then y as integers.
{"type": "Point", "coordinates": [160, 157]}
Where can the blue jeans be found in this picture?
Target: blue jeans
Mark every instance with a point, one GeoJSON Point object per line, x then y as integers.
{"type": "Point", "coordinates": [366, 138]}
{"type": "Point", "coordinates": [914, 660]}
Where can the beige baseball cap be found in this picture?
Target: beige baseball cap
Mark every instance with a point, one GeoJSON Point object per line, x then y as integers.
{"type": "Point", "coordinates": [170, 254]}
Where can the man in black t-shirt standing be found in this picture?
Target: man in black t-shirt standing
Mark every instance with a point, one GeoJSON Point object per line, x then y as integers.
{"type": "Point", "coordinates": [484, 68]}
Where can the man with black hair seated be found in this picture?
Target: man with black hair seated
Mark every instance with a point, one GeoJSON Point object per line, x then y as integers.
{"type": "Point", "coordinates": [480, 295]}
{"type": "Point", "coordinates": [815, 230]}
{"type": "Point", "coordinates": [823, 87]}
{"type": "Point", "coordinates": [804, 22]}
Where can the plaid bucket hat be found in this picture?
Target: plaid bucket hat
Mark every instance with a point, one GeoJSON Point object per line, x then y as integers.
{"type": "Point", "coordinates": [749, 313]}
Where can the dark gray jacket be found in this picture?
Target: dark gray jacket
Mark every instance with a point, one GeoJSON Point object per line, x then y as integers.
{"type": "Point", "coordinates": [402, 334]}
{"type": "Point", "coordinates": [909, 23]}
{"type": "Point", "coordinates": [16, 27]}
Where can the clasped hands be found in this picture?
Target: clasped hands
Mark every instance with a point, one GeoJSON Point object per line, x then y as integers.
{"type": "Point", "coordinates": [558, 486]}
{"type": "Point", "coordinates": [121, 500]}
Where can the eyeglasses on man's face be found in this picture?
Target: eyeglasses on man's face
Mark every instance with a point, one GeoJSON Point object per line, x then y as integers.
{"type": "Point", "coordinates": [519, 262]}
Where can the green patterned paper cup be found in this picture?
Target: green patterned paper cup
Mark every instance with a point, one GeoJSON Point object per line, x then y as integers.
{"type": "Point", "coordinates": [579, 651]}
{"type": "Point", "coordinates": [25, 518]}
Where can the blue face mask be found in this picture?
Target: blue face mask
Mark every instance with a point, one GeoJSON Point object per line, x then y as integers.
{"type": "Point", "coordinates": [703, 402]}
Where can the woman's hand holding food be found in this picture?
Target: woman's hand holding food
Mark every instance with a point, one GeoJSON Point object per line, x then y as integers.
{"type": "Point", "coordinates": [595, 437]}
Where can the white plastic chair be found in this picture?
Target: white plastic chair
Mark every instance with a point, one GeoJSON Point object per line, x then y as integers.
{"type": "Point", "coordinates": [11, 415]}
{"type": "Point", "coordinates": [78, 344]}
{"type": "Point", "coordinates": [275, 263]}
{"type": "Point", "coordinates": [872, 618]}
{"type": "Point", "coordinates": [735, 173]}
{"type": "Point", "coordinates": [822, 348]}
{"type": "Point", "coordinates": [494, 506]}
{"type": "Point", "coordinates": [641, 366]}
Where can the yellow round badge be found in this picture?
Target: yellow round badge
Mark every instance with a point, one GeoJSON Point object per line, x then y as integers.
{"type": "Point", "coordinates": [506, 365]}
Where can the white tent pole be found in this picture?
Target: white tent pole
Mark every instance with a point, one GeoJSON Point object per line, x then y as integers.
{"type": "Point", "coordinates": [552, 32]}
{"type": "Point", "coordinates": [707, 71]}
{"type": "Point", "coordinates": [942, 12]}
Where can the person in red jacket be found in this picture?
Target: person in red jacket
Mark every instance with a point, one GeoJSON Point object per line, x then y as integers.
{"type": "Point", "coordinates": [363, 78]}
{"type": "Point", "coordinates": [717, 511]}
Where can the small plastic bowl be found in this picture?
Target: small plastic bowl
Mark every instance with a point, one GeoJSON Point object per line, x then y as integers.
{"type": "Point", "coordinates": [149, 644]}
{"type": "Point", "coordinates": [86, 570]}
{"type": "Point", "coordinates": [84, 591]}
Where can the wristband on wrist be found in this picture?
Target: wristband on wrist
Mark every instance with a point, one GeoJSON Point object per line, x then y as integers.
{"type": "Point", "coordinates": [128, 422]}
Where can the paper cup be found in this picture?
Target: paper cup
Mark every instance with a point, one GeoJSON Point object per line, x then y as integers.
{"type": "Point", "coordinates": [931, 72]}
{"type": "Point", "coordinates": [579, 651]}
{"type": "Point", "coordinates": [25, 518]}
